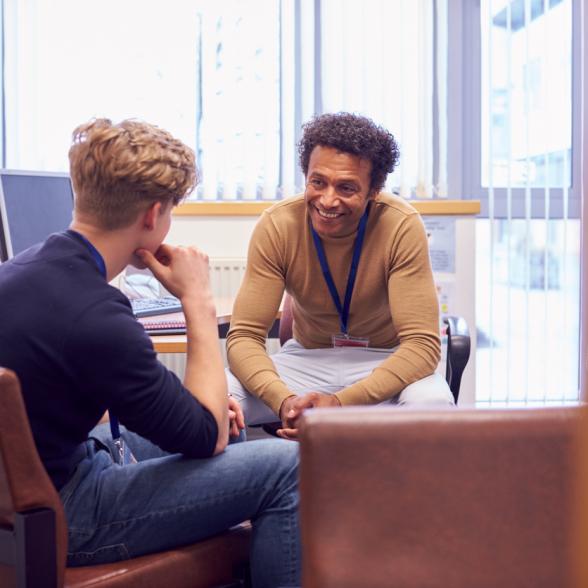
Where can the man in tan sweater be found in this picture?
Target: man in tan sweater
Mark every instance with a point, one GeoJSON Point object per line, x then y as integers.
{"type": "Point", "coordinates": [356, 263]}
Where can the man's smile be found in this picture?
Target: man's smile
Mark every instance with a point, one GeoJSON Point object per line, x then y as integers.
{"type": "Point", "coordinates": [328, 215]}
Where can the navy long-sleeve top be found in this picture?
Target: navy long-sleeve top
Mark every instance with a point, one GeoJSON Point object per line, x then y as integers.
{"type": "Point", "coordinates": [77, 349]}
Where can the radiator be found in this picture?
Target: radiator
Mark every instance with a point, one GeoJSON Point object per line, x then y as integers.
{"type": "Point", "coordinates": [226, 275]}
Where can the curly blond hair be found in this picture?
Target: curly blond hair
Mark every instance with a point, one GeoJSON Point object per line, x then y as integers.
{"type": "Point", "coordinates": [119, 170]}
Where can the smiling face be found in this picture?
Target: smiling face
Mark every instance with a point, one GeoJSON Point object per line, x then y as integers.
{"type": "Point", "coordinates": [337, 191]}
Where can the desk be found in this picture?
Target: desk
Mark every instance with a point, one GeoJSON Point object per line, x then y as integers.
{"type": "Point", "coordinates": [179, 343]}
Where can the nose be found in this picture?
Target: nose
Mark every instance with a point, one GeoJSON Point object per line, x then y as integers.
{"type": "Point", "coordinates": [329, 197]}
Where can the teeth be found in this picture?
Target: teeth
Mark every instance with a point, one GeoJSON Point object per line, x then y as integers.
{"type": "Point", "coordinates": [327, 214]}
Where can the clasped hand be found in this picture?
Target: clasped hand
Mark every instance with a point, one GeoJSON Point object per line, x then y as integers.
{"type": "Point", "coordinates": [236, 418]}
{"type": "Point", "coordinates": [293, 407]}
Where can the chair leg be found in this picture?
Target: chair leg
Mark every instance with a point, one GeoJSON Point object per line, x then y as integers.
{"type": "Point", "coordinates": [35, 549]}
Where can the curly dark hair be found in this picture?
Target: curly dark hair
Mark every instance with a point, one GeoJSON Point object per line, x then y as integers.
{"type": "Point", "coordinates": [355, 134]}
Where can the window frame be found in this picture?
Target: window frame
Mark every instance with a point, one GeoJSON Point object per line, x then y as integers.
{"type": "Point", "coordinates": [465, 117]}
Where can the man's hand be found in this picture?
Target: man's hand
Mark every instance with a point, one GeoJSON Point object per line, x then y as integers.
{"type": "Point", "coordinates": [293, 407]}
{"type": "Point", "coordinates": [236, 418]}
{"type": "Point", "coordinates": [182, 270]}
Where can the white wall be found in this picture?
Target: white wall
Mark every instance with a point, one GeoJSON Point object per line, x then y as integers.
{"type": "Point", "coordinates": [219, 236]}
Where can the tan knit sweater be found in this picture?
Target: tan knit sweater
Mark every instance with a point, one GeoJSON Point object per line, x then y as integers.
{"type": "Point", "coordinates": [394, 300]}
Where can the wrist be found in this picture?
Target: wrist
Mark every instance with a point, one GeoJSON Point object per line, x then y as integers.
{"type": "Point", "coordinates": [284, 407]}
{"type": "Point", "coordinates": [198, 304]}
{"type": "Point", "coordinates": [335, 400]}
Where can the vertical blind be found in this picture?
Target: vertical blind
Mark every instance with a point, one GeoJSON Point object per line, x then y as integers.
{"type": "Point", "coordinates": [528, 247]}
{"type": "Point", "coordinates": [378, 59]}
{"type": "Point", "coordinates": [234, 79]}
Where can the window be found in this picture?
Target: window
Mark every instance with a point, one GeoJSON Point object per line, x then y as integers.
{"type": "Point", "coordinates": [238, 111]}
{"type": "Point", "coordinates": [67, 61]}
{"type": "Point", "coordinates": [527, 94]}
{"type": "Point", "coordinates": [234, 79]}
{"type": "Point", "coordinates": [522, 161]}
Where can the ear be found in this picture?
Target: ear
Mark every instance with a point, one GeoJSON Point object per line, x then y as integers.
{"type": "Point", "coordinates": [150, 216]}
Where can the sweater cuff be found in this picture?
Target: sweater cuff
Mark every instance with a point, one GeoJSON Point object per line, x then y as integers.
{"type": "Point", "coordinates": [275, 395]}
{"type": "Point", "coordinates": [370, 391]}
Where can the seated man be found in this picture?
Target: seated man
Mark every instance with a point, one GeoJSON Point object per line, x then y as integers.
{"type": "Point", "coordinates": [78, 351]}
{"type": "Point", "coordinates": [356, 263]}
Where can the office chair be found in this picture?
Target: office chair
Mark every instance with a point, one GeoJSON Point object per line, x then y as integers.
{"type": "Point", "coordinates": [458, 350]}
{"type": "Point", "coordinates": [33, 527]}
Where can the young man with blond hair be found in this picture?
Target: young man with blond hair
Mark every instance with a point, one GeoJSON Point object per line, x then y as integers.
{"type": "Point", "coordinates": [78, 351]}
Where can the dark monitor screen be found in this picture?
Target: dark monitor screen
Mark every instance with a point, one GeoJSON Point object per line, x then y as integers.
{"type": "Point", "coordinates": [32, 206]}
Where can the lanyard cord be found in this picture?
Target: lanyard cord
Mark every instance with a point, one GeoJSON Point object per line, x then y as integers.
{"type": "Point", "coordinates": [114, 426]}
{"type": "Point", "coordinates": [343, 311]}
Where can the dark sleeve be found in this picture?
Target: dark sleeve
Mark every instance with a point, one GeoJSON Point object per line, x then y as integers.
{"type": "Point", "coordinates": [114, 365]}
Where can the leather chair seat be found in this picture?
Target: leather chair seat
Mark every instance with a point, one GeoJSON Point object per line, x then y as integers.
{"type": "Point", "coordinates": [200, 565]}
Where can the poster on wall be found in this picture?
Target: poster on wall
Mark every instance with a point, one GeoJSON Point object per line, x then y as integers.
{"type": "Point", "coordinates": [441, 237]}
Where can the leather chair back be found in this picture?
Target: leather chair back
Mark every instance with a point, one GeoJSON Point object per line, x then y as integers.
{"type": "Point", "coordinates": [25, 486]}
{"type": "Point", "coordinates": [437, 499]}
{"type": "Point", "coordinates": [24, 483]}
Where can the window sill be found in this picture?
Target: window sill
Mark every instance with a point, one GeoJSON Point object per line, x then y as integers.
{"type": "Point", "coordinates": [255, 208]}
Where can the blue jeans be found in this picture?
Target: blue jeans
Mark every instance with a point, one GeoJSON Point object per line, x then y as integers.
{"type": "Point", "coordinates": [117, 512]}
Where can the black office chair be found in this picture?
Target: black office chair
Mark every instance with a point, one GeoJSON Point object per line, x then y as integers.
{"type": "Point", "coordinates": [458, 351]}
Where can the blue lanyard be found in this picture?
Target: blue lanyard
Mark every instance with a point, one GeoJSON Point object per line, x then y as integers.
{"type": "Point", "coordinates": [114, 427]}
{"type": "Point", "coordinates": [342, 310]}
{"type": "Point", "coordinates": [93, 251]}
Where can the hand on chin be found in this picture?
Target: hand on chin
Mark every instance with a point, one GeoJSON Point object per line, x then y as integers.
{"type": "Point", "coordinates": [137, 262]}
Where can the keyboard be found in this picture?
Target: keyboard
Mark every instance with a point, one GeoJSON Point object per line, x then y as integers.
{"type": "Point", "coordinates": [153, 306]}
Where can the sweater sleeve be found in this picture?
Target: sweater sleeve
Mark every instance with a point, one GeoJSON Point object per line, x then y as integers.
{"type": "Point", "coordinates": [111, 356]}
{"type": "Point", "coordinates": [254, 312]}
{"type": "Point", "coordinates": [415, 312]}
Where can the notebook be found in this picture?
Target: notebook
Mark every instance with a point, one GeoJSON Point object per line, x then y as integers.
{"type": "Point", "coordinates": [165, 324]}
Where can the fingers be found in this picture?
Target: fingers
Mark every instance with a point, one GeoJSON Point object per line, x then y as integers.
{"type": "Point", "coordinates": [236, 417]}
{"type": "Point", "coordinates": [156, 263]}
{"type": "Point", "coordinates": [288, 433]}
{"type": "Point", "coordinates": [292, 416]}
{"type": "Point", "coordinates": [238, 412]}
{"type": "Point", "coordinates": [285, 407]}
{"type": "Point", "coordinates": [146, 257]}
{"type": "Point", "coordinates": [234, 430]}
{"type": "Point", "coordinates": [307, 401]}
{"type": "Point", "coordinates": [240, 420]}
{"type": "Point", "coordinates": [182, 270]}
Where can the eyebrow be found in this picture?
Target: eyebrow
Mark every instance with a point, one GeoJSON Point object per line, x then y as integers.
{"type": "Point", "coordinates": [338, 181]}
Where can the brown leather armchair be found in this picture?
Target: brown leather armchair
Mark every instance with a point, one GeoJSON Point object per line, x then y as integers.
{"type": "Point", "coordinates": [441, 499]}
{"type": "Point", "coordinates": [33, 528]}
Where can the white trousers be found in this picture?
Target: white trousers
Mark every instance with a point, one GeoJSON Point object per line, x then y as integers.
{"type": "Point", "coordinates": [330, 370]}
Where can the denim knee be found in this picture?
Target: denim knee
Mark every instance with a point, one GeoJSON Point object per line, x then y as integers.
{"type": "Point", "coordinates": [280, 459]}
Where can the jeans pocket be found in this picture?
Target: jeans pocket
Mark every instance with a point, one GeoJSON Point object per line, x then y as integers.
{"type": "Point", "coordinates": [102, 555]}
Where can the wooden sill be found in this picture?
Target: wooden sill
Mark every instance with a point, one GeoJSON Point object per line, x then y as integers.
{"type": "Point", "coordinates": [255, 208]}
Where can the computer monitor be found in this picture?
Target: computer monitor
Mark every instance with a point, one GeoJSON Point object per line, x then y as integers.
{"type": "Point", "coordinates": [32, 206]}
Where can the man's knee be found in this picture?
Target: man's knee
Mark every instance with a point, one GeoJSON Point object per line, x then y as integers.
{"type": "Point", "coordinates": [255, 411]}
{"type": "Point", "coordinates": [284, 458]}
{"type": "Point", "coordinates": [276, 461]}
{"type": "Point", "coordinates": [430, 391]}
